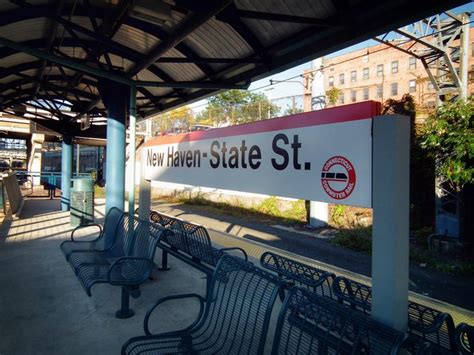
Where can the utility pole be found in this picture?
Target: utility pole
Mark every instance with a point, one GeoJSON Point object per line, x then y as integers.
{"type": "Point", "coordinates": [464, 65]}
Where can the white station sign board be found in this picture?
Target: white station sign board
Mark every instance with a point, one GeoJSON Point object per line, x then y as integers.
{"type": "Point", "coordinates": [321, 155]}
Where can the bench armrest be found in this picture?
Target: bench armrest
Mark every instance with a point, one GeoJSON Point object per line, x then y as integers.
{"type": "Point", "coordinates": [85, 226]}
{"type": "Point", "coordinates": [236, 248]}
{"type": "Point", "coordinates": [175, 297]}
{"type": "Point", "coordinates": [137, 276]}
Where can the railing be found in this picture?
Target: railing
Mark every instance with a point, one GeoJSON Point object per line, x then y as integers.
{"type": "Point", "coordinates": [50, 180]}
{"type": "Point", "coordinates": [2, 197]}
{"type": "Point", "coordinates": [46, 178]}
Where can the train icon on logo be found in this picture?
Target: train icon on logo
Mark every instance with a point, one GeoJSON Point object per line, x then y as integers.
{"type": "Point", "coordinates": [338, 177]}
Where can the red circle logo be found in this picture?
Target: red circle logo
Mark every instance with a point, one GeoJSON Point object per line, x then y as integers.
{"type": "Point", "coordinates": [338, 177]}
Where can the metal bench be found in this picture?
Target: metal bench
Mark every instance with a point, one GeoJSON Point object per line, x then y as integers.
{"type": "Point", "coordinates": [312, 324]}
{"type": "Point", "coordinates": [234, 319]}
{"type": "Point", "coordinates": [465, 338]}
{"type": "Point", "coordinates": [316, 280]}
{"type": "Point", "coordinates": [190, 243]}
{"type": "Point", "coordinates": [127, 263]}
{"type": "Point", "coordinates": [425, 324]}
{"type": "Point", "coordinates": [105, 239]}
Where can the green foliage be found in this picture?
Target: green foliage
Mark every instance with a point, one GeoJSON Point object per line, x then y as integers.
{"type": "Point", "coordinates": [269, 206]}
{"type": "Point", "coordinates": [358, 239]}
{"type": "Point", "coordinates": [99, 192]}
{"type": "Point", "coordinates": [291, 110]}
{"type": "Point", "coordinates": [422, 176]}
{"type": "Point", "coordinates": [237, 106]}
{"type": "Point", "coordinates": [178, 119]}
{"type": "Point", "coordinates": [332, 95]}
{"type": "Point", "coordinates": [449, 138]}
{"type": "Point", "coordinates": [337, 215]}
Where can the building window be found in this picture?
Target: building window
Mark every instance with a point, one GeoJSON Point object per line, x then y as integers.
{"type": "Point", "coordinates": [341, 98]}
{"type": "Point", "coordinates": [380, 91]}
{"type": "Point", "coordinates": [366, 93]}
{"type": "Point", "coordinates": [380, 70]}
{"type": "Point", "coordinates": [353, 96]}
{"type": "Point", "coordinates": [430, 86]}
{"type": "Point", "coordinates": [365, 58]}
{"type": "Point", "coordinates": [412, 86]}
{"type": "Point", "coordinates": [395, 67]}
{"type": "Point", "coordinates": [365, 73]}
{"type": "Point", "coordinates": [394, 89]}
{"type": "Point", "coordinates": [331, 81]}
{"type": "Point", "coordinates": [341, 79]}
{"type": "Point", "coordinates": [353, 76]}
{"type": "Point", "coordinates": [412, 63]}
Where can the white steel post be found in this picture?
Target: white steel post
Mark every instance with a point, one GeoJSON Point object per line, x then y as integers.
{"type": "Point", "coordinates": [318, 211]}
{"type": "Point", "coordinates": [144, 198]}
{"type": "Point", "coordinates": [390, 233]}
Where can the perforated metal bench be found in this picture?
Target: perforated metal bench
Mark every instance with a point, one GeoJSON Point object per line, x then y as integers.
{"type": "Point", "coordinates": [316, 280]}
{"type": "Point", "coordinates": [104, 240]}
{"type": "Point", "coordinates": [465, 338]}
{"type": "Point", "coordinates": [312, 324]}
{"type": "Point", "coordinates": [190, 243]}
{"type": "Point", "coordinates": [233, 319]}
{"type": "Point", "coordinates": [425, 324]}
{"type": "Point", "coordinates": [128, 262]}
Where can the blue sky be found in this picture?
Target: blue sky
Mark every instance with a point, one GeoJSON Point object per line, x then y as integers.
{"type": "Point", "coordinates": [296, 88]}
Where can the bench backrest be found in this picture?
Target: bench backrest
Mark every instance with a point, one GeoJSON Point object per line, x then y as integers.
{"type": "Point", "coordinates": [238, 308]}
{"type": "Point", "coordinates": [111, 223]}
{"type": "Point", "coordinates": [316, 280]}
{"type": "Point", "coordinates": [193, 239]}
{"type": "Point", "coordinates": [423, 322]}
{"type": "Point", "coordinates": [161, 218]}
{"type": "Point", "coordinates": [465, 338]}
{"type": "Point", "coordinates": [146, 236]}
{"type": "Point", "coordinates": [311, 324]}
{"type": "Point", "coordinates": [123, 237]}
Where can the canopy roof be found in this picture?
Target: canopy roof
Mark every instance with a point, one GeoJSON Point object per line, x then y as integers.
{"type": "Point", "coordinates": [181, 50]}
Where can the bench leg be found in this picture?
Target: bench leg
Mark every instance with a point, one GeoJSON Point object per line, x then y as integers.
{"type": "Point", "coordinates": [164, 261]}
{"type": "Point", "coordinates": [125, 311]}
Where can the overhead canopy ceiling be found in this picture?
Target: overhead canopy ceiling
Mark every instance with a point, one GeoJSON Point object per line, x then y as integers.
{"type": "Point", "coordinates": [185, 49]}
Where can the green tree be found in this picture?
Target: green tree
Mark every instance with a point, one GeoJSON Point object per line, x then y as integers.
{"type": "Point", "coordinates": [177, 119]}
{"type": "Point", "coordinates": [422, 174]}
{"type": "Point", "coordinates": [449, 139]}
{"type": "Point", "coordinates": [291, 110]}
{"type": "Point", "coordinates": [332, 95]}
{"type": "Point", "coordinates": [237, 106]}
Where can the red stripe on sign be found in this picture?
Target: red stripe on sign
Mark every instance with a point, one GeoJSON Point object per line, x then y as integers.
{"type": "Point", "coordinates": [345, 113]}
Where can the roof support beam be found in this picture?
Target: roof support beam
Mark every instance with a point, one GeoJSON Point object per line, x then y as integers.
{"type": "Point", "coordinates": [51, 35]}
{"type": "Point", "coordinates": [193, 85]}
{"type": "Point", "coordinates": [179, 60]}
{"type": "Point", "coordinates": [286, 18]}
{"type": "Point", "coordinates": [67, 62]}
{"type": "Point", "coordinates": [194, 21]}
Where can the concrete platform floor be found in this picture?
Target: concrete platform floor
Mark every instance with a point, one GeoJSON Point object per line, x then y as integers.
{"type": "Point", "coordinates": [44, 310]}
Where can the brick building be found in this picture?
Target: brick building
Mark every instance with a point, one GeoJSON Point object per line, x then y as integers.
{"type": "Point", "coordinates": [380, 72]}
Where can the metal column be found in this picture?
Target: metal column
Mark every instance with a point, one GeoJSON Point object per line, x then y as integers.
{"type": "Point", "coordinates": [132, 125]}
{"type": "Point", "coordinates": [66, 173]}
{"type": "Point", "coordinates": [115, 98]}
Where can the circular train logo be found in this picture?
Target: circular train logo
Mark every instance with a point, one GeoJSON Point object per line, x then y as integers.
{"type": "Point", "coordinates": [338, 177]}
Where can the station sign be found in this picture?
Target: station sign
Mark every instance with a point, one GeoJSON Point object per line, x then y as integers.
{"type": "Point", "coordinates": [323, 155]}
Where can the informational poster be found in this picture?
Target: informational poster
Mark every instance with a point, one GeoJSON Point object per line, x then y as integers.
{"type": "Point", "coordinates": [323, 155]}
